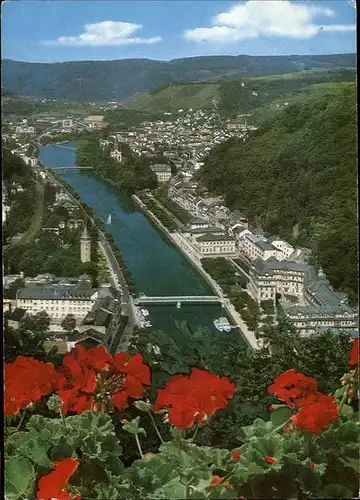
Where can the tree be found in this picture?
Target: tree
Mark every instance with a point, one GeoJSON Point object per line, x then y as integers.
{"type": "Point", "coordinates": [39, 323]}
{"type": "Point", "coordinates": [69, 323]}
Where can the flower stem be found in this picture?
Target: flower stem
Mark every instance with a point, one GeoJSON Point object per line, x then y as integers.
{"type": "Point", "coordinates": [62, 418]}
{"type": "Point", "coordinates": [281, 426]}
{"type": "Point", "coordinates": [21, 420]}
{"type": "Point", "coordinates": [156, 427]}
{"type": "Point", "coordinates": [196, 431]}
{"type": "Point", "coordinates": [345, 396]}
{"type": "Point", "coordinates": [138, 445]}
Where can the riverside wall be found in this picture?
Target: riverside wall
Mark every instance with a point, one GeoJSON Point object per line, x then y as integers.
{"type": "Point", "coordinates": [182, 245]}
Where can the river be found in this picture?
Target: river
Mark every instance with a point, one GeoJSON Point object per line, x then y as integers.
{"type": "Point", "coordinates": [158, 268]}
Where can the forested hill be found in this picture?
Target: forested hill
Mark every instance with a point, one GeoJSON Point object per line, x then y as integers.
{"type": "Point", "coordinates": [117, 80]}
{"type": "Point", "coordinates": [296, 176]}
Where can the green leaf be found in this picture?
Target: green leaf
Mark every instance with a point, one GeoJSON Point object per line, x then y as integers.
{"type": "Point", "coordinates": [133, 426]}
{"type": "Point", "coordinates": [19, 477]}
{"type": "Point", "coordinates": [352, 463]}
{"type": "Point", "coordinates": [337, 491]}
{"type": "Point", "coordinates": [174, 489]}
{"type": "Point", "coordinates": [309, 481]}
{"type": "Point", "coordinates": [31, 447]}
{"type": "Point", "coordinates": [280, 416]}
{"type": "Point", "coordinates": [346, 411]}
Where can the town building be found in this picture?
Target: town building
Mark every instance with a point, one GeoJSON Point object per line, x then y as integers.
{"type": "Point", "coordinates": [162, 171]}
{"type": "Point", "coordinates": [116, 155]}
{"type": "Point", "coordinates": [212, 244]}
{"type": "Point", "coordinates": [85, 246]}
{"type": "Point", "coordinates": [307, 298]}
{"type": "Point", "coordinates": [312, 319]}
{"type": "Point", "coordinates": [16, 318]}
{"type": "Point", "coordinates": [67, 123]}
{"type": "Point", "coordinates": [271, 277]}
{"type": "Point", "coordinates": [61, 296]}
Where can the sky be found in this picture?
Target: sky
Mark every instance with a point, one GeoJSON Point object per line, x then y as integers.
{"type": "Point", "coordinates": [56, 31]}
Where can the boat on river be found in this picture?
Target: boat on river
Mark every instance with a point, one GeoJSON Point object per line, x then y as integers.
{"type": "Point", "coordinates": [222, 324]}
{"type": "Point", "coordinates": [108, 219]}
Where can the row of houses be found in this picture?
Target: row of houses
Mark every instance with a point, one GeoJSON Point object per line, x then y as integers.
{"type": "Point", "coordinates": [277, 270]}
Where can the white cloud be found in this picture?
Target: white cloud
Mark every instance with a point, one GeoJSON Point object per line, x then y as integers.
{"type": "Point", "coordinates": [105, 33]}
{"type": "Point", "coordinates": [266, 18]}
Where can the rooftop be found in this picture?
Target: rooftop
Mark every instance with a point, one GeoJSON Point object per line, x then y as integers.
{"type": "Point", "coordinates": [215, 237]}
{"type": "Point", "coordinates": [320, 310]}
{"type": "Point", "coordinates": [272, 264]}
{"type": "Point", "coordinates": [17, 315]}
{"type": "Point", "coordinates": [55, 292]}
{"type": "Point", "coordinates": [264, 245]}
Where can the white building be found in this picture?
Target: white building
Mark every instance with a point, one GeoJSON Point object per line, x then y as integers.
{"type": "Point", "coordinates": [67, 123]}
{"type": "Point", "coordinates": [312, 319]}
{"type": "Point", "coordinates": [32, 162]}
{"type": "Point", "coordinates": [271, 277]}
{"type": "Point", "coordinates": [212, 244]}
{"type": "Point", "coordinates": [283, 249]}
{"type": "Point", "coordinates": [197, 223]}
{"type": "Point", "coordinates": [57, 300]}
{"type": "Point", "coordinates": [116, 155]}
{"type": "Point", "coordinates": [162, 171]}
{"type": "Point", "coordinates": [256, 246]}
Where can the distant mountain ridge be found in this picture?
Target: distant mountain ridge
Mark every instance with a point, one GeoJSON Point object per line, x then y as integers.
{"type": "Point", "coordinates": [121, 79]}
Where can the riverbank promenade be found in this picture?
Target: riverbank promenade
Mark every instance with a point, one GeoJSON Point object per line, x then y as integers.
{"type": "Point", "coordinates": [179, 240]}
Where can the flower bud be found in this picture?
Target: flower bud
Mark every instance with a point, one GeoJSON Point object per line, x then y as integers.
{"type": "Point", "coordinates": [54, 403]}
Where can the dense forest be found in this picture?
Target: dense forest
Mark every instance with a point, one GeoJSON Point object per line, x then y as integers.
{"type": "Point", "coordinates": [296, 177]}
{"type": "Point", "coordinates": [119, 79]}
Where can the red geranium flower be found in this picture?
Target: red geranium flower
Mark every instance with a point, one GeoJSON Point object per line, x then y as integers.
{"type": "Point", "coordinates": [132, 365]}
{"type": "Point", "coordinates": [193, 398]}
{"type": "Point", "coordinates": [270, 460]}
{"type": "Point", "coordinates": [53, 484]}
{"type": "Point", "coordinates": [316, 416]}
{"type": "Point", "coordinates": [27, 380]}
{"type": "Point", "coordinates": [120, 400]}
{"type": "Point", "coordinates": [98, 358]}
{"type": "Point", "coordinates": [354, 353]}
{"type": "Point", "coordinates": [292, 387]}
{"type": "Point", "coordinates": [236, 456]}
{"type": "Point", "coordinates": [78, 381]}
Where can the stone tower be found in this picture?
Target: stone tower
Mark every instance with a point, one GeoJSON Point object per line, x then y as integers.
{"type": "Point", "coordinates": [85, 246]}
{"type": "Point", "coordinates": [321, 274]}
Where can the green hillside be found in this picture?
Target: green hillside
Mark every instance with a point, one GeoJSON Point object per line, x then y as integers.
{"type": "Point", "coordinates": [297, 176]}
{"type": "Point", "coordinates": [121, 79]}
{"type": "Point", "coordinates": [176, 96]}
{"type": "Point", "coordinates": [260, 96]}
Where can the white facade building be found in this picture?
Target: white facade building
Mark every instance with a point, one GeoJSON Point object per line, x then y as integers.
{"type": "Point", "coordinates": [57, 300]}
{"type": "Point", "coordinates": [212, 244]}
{"type": "Point", "coordinates": [163, 172]}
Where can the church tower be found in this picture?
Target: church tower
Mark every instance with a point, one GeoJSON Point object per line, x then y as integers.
{"type": "Point", "coordinates": [85, 246]}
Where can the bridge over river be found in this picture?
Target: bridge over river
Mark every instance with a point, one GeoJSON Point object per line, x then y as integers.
{"type": "Point", "coordinates": [189, 299]}
{"type": "Point", "coordinates": [68, 169]}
